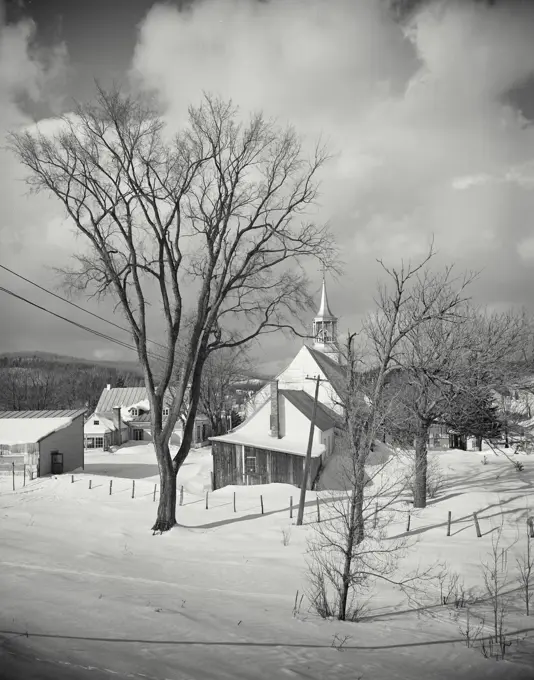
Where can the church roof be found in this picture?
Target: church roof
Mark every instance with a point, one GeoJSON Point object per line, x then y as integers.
{"type": "Point", "coordinates": [324, 308]}
{"type": "Point", "coordinates": [325, 418]}
{"type": "Point", "coordinates": [333, 372]}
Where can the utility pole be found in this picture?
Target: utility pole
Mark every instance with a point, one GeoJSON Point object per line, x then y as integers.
{"type": "Point", "coordinates": [307, 463]}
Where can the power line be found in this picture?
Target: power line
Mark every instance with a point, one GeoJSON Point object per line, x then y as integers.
{"type": "Point", "coordinates": [78, 325]}
{"type": "Point", "coordinates": [73, 304]}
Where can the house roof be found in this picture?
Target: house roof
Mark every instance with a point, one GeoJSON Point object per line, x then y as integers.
{"type": "Point", "coordinates": [333, 372]}
{"type": "Point", "coordinates": [143, 418]}
{"type": "Point", "coordinates": [325, 418]}
{"type": "Point", "coordinates": [65, 413]}
{"type": "Point", "coordinates": [265, 441]}
{"type": "Point", "coordinates": [119, 397]}
{"type": "Point", "coordinates": [30, 427]}
{"type": "Point", "coordinates": [104, 425]}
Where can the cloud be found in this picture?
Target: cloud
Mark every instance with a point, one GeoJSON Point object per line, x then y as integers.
{"type": "Point", "coordinates": [413, 112]}
{"type": "Point", "coordinates": [34, 235]}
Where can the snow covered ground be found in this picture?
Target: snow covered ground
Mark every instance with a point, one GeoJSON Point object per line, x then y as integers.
{"type": "Point", "coordinates": [88, 592]}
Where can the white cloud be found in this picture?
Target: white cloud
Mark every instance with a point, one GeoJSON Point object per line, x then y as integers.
{"type": "Point", "coordinates": [413, 117]}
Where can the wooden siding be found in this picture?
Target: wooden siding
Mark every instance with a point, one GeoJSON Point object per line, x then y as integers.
{"type": "Point", "coordinates": [270, 466]}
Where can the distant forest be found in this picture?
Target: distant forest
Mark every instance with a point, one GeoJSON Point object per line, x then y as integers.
{"type": "Point", "coordinates": [48, 381]}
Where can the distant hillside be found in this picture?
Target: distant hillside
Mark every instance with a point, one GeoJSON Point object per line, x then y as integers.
{"type": "Point", "coordinates": [41, 380]}
{"type": "Point", "coordinates": [130, 366]}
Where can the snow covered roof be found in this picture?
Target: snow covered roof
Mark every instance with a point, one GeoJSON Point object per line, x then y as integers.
{"type": "Point", "coordinates": [120, 397]}
{"type": "Point", "coordinates": [265, 441]}
{"type": "Point", "coordinates": [104, 425]}
{"type": "Point", "coordinates": [30, 427]}
{"type": "Point", "coordinates": [325, 418]}
{"type": "Point", "coordinates": [334, 373]}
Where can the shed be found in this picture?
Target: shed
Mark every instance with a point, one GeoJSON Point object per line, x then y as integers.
{"type": "Point", "coordinates": [30, 438]}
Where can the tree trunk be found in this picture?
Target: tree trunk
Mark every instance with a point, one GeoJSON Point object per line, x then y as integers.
{"type": "Point", "coordinates": [355, 528]}
{"type": "Point", "coordinates": [421, 441]}
{"type": "Point", "coordinates": [347, 566]}
{"type": "Point", "coordinates": [194, 399]}
{"type": "Point", "coordinates": [166, 517]}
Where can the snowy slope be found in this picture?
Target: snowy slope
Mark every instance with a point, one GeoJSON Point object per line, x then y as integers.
{"type": "Point", "coordinates": [83, 576]}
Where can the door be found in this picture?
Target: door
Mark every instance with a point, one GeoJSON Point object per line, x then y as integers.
{"type": "Point", "coordinates": [138, 435]}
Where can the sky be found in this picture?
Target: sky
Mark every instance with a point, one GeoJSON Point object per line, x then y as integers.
{"type": "Point", "coordinates": [429, 121]}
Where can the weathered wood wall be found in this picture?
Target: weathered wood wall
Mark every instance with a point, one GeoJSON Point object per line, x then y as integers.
{"type": "Point", "coordinates": [271, 466]}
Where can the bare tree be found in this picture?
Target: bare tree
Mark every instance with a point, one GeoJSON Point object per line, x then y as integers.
{"type": "Point", "coordinates": [414, 297]}
{"type": "Point", "coordinates": [212, 225]}
{"type": "Point", "coordinates": [525, 567]}
{"type": "Point", "coordinates": [222, 370]}
{"type": "Point", "coordinates": [342, 570]}
{"type": "Point", "coordinates": [456, 360]}
{"type": "Point", "coordinates": [497, 584]}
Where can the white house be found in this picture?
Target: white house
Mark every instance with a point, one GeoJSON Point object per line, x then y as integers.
{"type": "Point", "coordinates": [123, 414]}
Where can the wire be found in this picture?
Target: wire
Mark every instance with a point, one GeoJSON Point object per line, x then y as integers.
{"type": "Point", "coordinates": [78, 325]}
{"type": "Point", "coordinates": [73, 304]}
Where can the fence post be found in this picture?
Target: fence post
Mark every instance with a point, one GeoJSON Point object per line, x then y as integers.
{"type": "Point", "coordinates": [72, 479]}
{"type": "Point", "coordinates": [318, 509]}
{"type": "Point", "coordinates": [154, 497]}
{"type": "Point", "coordinates": [90, 483]}
{"type": "Point", "coordinates": [477, 526]}
{"type": "Point", "coordinates": [261, 501]}
{"type": "Point", "coordinates": [181, 495]}
{"type": "Point", "coordinates": [234, 503]}
{"type": "Point", "coordinates": [449, 523]}
{"type": "Point", "coordinates": [24, 474]}
{"type": "Point", "coordinates": [409, 521]}
{"type": "Point", "coordinates": [110, 486]}
{"type": "Point", "coordinates": [207, 492]}
{"type": "Point", "coordinates": [133, 488]}
{"type": "Point", "coordinates": [291, 507]}
{"type": "Point", "coordinates": [13, 466]}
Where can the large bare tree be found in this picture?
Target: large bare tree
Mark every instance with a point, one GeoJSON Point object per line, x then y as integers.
{"type": "Point", "coordinates": [210, 225]}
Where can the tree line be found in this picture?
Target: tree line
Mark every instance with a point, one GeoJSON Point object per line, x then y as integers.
{"type": "Point", "coordinates": [33, 383]}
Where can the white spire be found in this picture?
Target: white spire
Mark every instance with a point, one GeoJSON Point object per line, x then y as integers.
{"type": "Point", "coordinates": [324, 309]}
{"type": "Point", "coordinates": [325, 328]}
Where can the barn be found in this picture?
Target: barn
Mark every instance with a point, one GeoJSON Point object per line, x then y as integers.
{"type": "Point", "coordinates": [41, 442]}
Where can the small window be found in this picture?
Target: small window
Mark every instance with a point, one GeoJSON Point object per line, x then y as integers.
{"type": "Point", "coordinates": [134, 411]}
{"type": "Point", "coordinates": [166, 412]}
{"type": "Point", "coordinates": [96, 422]}
{"type": "Point", "coordinates": [250, 465]}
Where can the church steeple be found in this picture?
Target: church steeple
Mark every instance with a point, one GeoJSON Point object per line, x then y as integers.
{"type": "Point", "coordinates": [325, 328]}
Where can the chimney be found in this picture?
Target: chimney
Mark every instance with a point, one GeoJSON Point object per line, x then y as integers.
{"type": "Point", "coordinates": [117, 417]}
{"type": "Point", "coordinates": [108, 387]}
{"type": "Point", "coordinates": [275, 418]}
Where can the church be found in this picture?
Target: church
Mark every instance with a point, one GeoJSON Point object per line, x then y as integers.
{"type": "Point", "coordinates": [270, 445]}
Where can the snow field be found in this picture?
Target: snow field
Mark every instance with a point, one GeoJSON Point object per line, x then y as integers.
{"type": "Point", "coordinates": [214, 597]}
